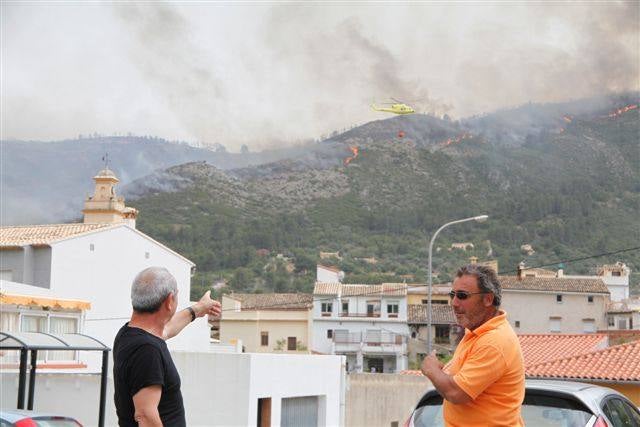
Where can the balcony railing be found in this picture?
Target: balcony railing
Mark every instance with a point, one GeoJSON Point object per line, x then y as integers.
{"type": "Point", "coordinates": [344, 314]}
{"type": "Point", "coordinates": [369, 338]}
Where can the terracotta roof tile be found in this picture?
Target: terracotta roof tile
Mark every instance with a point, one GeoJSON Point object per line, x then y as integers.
{"type": "Point", "coordinates": [442, 314]}
{"type": "Point", "coordinates": [274, 301]}
{"type": "Point", "coordinates": [554, 284]}
{"type": "Point", "coordinates": [45, 234]}
{"type": "Point", "coordinates": [321, 288]}
{"type": "Point", "coordinates": [419, 289]}
{"type": "Point", "coordinates": [352, 290]}
{"type": "Point", "coordinates": [412, 372]}
{"type": "Point", "coordinates": [618, 363]}
{"type": "Point", "coordinates": [540, 348]}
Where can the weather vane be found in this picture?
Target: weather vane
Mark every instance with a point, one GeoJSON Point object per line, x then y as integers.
{"type": "Point", "coordinates": [105, 159]}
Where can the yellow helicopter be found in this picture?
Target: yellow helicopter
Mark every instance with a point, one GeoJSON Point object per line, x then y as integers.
{"type": "Point", "coordinates": [396, 107]}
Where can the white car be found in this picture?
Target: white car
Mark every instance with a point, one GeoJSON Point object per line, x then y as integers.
{"type": "Point", "coordinates": [550, 403]}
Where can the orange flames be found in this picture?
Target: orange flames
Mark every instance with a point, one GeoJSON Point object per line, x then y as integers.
{"type": "Point", "coordinates": [348, 160]}
{"type": "Point", "coordinates": [567, 118]}
{"type": "Point", "coordinates": [457, 139]}
{"type": "Point", "coordinates": [621, 111]}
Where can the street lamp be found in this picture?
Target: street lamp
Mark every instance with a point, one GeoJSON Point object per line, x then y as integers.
{"type": "Point", "coordinates": [480, 218]}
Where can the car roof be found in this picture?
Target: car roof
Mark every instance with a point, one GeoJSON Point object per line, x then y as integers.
{"type": "Point", "coordinates": [12, 415]}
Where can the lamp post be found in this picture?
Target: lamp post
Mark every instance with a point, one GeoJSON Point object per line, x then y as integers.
{"type": "Point", "coordinates": [480, 218]}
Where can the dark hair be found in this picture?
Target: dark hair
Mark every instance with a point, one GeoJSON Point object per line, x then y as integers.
{"type": "Point", "coordinates": [487, 280]}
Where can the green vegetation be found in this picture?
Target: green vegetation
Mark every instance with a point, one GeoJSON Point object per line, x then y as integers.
{"type": "Point", "coordinates": [569, 195]}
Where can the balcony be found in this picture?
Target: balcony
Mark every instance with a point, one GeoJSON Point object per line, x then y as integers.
{"type": "Point", "coordinates": [372, 342]}
{"type": "Point", "coordinates": [369, 314]}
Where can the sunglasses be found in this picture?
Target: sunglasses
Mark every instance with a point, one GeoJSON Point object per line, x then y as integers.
{"type": "Point", "coordinates": [463, 295]}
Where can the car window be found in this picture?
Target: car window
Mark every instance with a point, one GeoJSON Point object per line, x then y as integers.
{"type": "Point", "coordinates": [620, 416]}
{"type": "Point", "coordinates": [428, 416]}
{"type": "Point", "coordinates": [548, 408]}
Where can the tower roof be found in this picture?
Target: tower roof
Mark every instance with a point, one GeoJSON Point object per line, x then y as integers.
{"type": "Point", "coordinates": [106, 173]}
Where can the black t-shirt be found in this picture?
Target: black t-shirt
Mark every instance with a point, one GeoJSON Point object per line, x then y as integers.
{"type": "Point", "coordinates": [141, 359]}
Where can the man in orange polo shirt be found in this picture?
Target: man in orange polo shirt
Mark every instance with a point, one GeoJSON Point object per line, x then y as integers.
{"type": "Point", "coordinates": [483, 385]}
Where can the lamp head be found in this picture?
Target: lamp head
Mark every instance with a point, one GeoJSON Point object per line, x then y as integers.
{"type": "Point", "coordinates": [481, 218]}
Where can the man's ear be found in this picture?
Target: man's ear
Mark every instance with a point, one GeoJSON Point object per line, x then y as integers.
{"type": "Point", "coordinates": [487, 299]}
{"type": "Point", "coordinates": [169, 300]}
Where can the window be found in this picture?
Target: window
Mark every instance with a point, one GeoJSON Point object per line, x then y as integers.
{"type": "Point", "coordinates": [559, 298]}
{"type": "Point", "coordinates": [326, 308]}
{"type": "Point", "coordinates": [554, 324]}
{"type": "Point", "coordinates": [615, 273]}
{"type": "Point", "coordinates": [435, 301]}
{"type": "Point", "coordinates": [373, 308]}
{"type": "Point", "coordinates": [622, 323]}
{"type": "Point", "coordinates": [442, 334]}
{"type": "Point", "coordinates": [588, 326]}
{"type": "Point", "coordinates": [517, 323]}
{"type": "Point", "coordinates": [42, 322]}
{"type": "Point", "coordinates": [291, 343]}
{"type": "Point", "coordinates": [329, 333]}
{"type": "Point", "coordinates": [264, 338]}
{"type": "Point", "coordinates": [392, 308]}
{"type": "Point", "coordinates": [590, 299]}
{"type": "Point", "coordinates": [413, 334]}
{"type": "Point", "coordinates": [620, 413]}
{"type": "Point", "coordinates": [611, 321]}
{"type": "Point", "coordinates": [6, 275]}
{"type": "Point", "coordinates": [92, 247]}
{"type": "Point", "coordinates": [345, 307]}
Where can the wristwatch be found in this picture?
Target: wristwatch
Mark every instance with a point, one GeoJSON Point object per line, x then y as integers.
{"type": "Point", "coordinates": [193, 313]}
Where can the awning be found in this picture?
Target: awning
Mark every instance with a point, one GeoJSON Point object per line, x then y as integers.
{"type": "Point", "coordinates": [41, 301]}
{"type": "Point", "coordinates": [32, 342]}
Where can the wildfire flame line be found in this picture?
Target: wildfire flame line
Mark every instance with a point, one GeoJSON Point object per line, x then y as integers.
{"type": "Point", "coordinates": [457, 139]}
{"type": "Point", "coordinates": [621, 111]}
{"type": "Point", "coordinates": [348, 160]}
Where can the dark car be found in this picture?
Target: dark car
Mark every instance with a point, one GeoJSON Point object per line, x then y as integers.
{"type": "Point", "coordinates": [25, 418]}
{"type": "Point", "coordinates": [550, 403]}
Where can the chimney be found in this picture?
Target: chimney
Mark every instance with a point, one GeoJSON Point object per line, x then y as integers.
{"type": "Point", "coordinates": [560, 273]}
{"type": "Point", "coordinates": [520, 268]}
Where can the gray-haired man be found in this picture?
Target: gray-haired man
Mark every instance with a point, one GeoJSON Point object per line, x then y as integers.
{"type": "Point", "coordinates": [147, 384]}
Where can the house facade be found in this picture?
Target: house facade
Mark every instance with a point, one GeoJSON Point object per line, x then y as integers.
{"type": "Point", "coordinates": [366, 323]}
{"type": "Point", "coordinates": [94, 262]}
{"type": "Point", "coordinates": [267, 323]}
{"type": "Point", "coordinates": [540, 305]}
{"type": "Point", "coordinates": [445, 333]}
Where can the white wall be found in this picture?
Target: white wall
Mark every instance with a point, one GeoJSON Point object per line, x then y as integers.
{"type": "Point", "coordinates": [324, 345]}
{"type": "Point", "coordinates": [533, 310]}
{"type": "Point", "coordinates": [103, 277]}
{"type": "Point", "coordinates": [218, 389]}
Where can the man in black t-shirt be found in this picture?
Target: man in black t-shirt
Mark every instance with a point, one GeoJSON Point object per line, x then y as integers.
{"type": "Point", "coordinates": [146, 382]}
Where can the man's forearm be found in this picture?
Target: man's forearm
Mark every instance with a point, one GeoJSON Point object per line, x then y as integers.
{"type": "Point", "coordinates": [177, 323]}
{"type": "Point", "coordinates": [447, 387]}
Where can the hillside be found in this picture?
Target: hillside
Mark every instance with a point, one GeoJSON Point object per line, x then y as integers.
{"type": "Point", "coordinates": [569, 186]}
{"type": "Point", "coordinates": [44, 182]}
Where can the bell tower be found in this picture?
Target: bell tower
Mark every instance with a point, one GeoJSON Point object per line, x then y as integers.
{"type": "Point", "coordinates": [105, 206]}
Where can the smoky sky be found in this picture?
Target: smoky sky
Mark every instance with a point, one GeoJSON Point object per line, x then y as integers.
{"type": "Point", "coordinates": [266, 75]}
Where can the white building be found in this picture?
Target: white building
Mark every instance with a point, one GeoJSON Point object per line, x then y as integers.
{"type": "Point", "coordinates": [93, 262]}
{"type": "Point", "coordinates": [218, 390]}
{"type": "Point", "coordinates": [541, 305]}
{"type": "Point", "coordinates": [366, 323]}
{"type": "Point", "coordinates": [325, 274]}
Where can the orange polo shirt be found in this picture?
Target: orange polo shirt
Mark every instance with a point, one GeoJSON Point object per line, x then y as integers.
{"type": "Point", "coordinates": [488, 366]}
